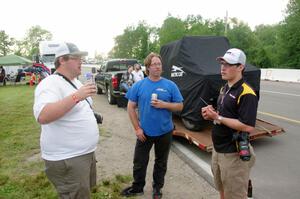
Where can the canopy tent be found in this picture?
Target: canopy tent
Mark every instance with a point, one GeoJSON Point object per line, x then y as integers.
{"type": "Point", "coordinates": [14, 60]}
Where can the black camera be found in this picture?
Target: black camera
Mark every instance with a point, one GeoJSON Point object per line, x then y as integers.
{"type": "Point", "coordinates": [242, 144]}
{"type": "Point", "coordinates": [99, 117]}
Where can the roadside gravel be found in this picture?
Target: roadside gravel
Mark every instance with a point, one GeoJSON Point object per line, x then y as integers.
{"type": "Point", "coordinates": [115, 155]}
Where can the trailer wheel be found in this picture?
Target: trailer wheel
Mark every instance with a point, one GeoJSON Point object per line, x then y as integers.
{"type": "Point", "coordinates": [190, 125]}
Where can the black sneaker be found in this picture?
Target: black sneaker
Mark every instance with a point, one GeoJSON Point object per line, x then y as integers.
{"type": "Point", "coordinates": [129, 191]}
{"type": "Point", "coordinates": [156, 194]}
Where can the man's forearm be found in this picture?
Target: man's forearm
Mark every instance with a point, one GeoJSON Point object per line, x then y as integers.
{"type": "Point", "coordinates": [174, 106]}
{"type": "Point", "coordinates": [56, 110]}
{"type": "Point", "coordinates": [133, 117]}
{"type": "Point", "coordinates": [236, 124]}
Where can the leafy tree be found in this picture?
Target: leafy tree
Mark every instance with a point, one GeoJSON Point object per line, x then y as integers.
{"type": "Point", "coordinates": [195, 25]}
{"type": "Point", "coordinates": [153, 40]}
{"type": "Point", "coordinates": [135, 42]}
{"type": "Point", "coordinates": [30, 44]}
{"type": "Point", "coordinates": [5, 43]}
{"type": "Point", "coordinates": [172, 29]}
{"type": "Point", "coordinates": [290, 36]}
{"type": "Point", "coordinates": [241, 36]}
{"type": "Point", "coordinates": [217, 27]}
{"type": "Point", "coordinates": [269, 49]}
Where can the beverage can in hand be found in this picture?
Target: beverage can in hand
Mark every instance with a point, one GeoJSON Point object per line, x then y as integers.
{"type": "Point", "coordinates": [89, 78]}
{"type": "Point", "coordinates": [154, 96]}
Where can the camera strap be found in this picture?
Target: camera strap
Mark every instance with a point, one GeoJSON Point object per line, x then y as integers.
{"type": "Point", "coordinates": [69, 81]}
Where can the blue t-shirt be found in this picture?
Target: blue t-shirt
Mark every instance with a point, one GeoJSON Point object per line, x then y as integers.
{"type": "Point", "coordinates": [154, 121]}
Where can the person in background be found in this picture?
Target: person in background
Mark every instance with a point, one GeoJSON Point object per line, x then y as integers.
{"type": "Point", "coordinates": [2, 75]}
{"type": "Point", "coordinates": [156, 99]}
{"type": "Point", "coordinates": [69, 131]}
{"type": "Point", "coordinates": [126, 80]}
{"type": "Point", "coordinates": [235, 117]}
{"type": "Point", "coordinates": [137, 73]}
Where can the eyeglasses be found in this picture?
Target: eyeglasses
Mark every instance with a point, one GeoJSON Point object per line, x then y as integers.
{"type": "Point", "coordinates": [75, 57]}
{"type": "Point", "coordinates": [156, 64]}
{"type": "Point", "coordinates": [227, 65]}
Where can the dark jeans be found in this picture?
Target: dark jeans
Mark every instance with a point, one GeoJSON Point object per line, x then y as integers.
{"type": "Point", "coordinates": [162, 146]}
{"type": "Point", "coordinates": [124, 87]}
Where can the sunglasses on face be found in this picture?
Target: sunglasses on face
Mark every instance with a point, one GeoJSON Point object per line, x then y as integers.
{"type": "Point", "coordinates": [225, 64]}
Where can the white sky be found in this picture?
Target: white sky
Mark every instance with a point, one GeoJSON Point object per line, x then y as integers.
{"type": "Point", "coordinates": [93, 24]}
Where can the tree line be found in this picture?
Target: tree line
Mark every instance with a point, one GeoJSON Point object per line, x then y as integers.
{"type": "Point", "coordinates": [267, 46]}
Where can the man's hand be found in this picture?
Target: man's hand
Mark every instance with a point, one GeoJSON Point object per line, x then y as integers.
{"type": "Point", "coordinates": [85, 91]}
{"type": "Point", "coordinates": [209, 113]}
{"type": "Point", "coordinates": [158, 103]}
{"type": "Point", "coordinates": [140, 135]}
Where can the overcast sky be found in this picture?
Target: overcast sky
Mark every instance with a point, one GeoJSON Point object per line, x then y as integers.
{"type": "Point", "coordinates": [93, 24]}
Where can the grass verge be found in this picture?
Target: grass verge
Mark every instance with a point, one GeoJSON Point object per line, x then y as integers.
{"type": "Point", "coordinates": [21, 169]}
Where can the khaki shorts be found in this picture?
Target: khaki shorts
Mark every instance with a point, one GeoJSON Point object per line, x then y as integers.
{"type": "Point", "coordinates": [231, 174]}
{"type": "Point", "coordinates": [73, 177]}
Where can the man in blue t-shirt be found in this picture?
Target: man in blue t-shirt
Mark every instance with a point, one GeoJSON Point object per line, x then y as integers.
{"type": "Point", "coordinates": [156, 99]}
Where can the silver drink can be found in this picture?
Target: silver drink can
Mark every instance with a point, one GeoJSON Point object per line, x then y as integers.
{"type": "Point", "coordinates": [154, 96]}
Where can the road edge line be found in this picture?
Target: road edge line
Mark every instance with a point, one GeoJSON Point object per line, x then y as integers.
{"type": "Point", "coordinates": [198, 165]}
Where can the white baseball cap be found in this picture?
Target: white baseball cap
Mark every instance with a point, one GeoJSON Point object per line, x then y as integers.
{"type": "Point", "coordinates": [69, 49]}
{"type": "Point", "coordinates": [234, 56]}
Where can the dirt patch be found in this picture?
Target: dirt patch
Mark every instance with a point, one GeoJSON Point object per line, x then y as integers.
{"type": "Point", "coordinates": [115, 156]}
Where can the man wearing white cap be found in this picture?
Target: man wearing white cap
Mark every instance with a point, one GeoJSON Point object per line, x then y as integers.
{"type": "Point", "coordinates": [69, 129]}
{"type": "Point", "coordinates": [234, 119]}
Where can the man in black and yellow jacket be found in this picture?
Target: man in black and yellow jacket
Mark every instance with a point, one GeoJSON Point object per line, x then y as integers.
{"type": "Point", "coordinates": [233, 120]}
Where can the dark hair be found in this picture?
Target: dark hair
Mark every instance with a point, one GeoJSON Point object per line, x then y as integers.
{"type": "Point", "coordinates": [148, 60]}
{"type": "Point", "coordinates": [57, 63]}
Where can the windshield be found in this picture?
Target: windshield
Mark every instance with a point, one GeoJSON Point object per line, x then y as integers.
{"type": "Point", "coordinates": [120, 65]}
{"type": "Point", "coordinates": [48, 58]}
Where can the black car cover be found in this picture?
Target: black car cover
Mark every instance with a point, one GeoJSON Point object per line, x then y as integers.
{"type": "Point", "coordinates": [191, 64]}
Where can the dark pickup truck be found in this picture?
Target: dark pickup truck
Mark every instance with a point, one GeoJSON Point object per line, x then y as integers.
{"type": "Point", "coordinates": [109, 75]}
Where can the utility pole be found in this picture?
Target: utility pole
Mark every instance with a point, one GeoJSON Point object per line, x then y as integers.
{"type": "Point", "coordinates": [226, 23]}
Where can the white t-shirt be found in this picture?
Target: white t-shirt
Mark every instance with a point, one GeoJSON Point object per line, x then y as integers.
{"type": "Point", "coordinates": [74, 134]}
{"type": "Point", "coordinates": [137, 76]}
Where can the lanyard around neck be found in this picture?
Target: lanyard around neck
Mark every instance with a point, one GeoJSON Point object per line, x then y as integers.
{"type": "Point", "coordinates": [72, 84]}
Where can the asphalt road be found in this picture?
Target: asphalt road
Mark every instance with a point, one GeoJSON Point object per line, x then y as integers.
{"type": "Point", "coordinates": [276, 174]}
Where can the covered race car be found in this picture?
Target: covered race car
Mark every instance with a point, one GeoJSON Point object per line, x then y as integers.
{"type": "Point", "coordinates": [191, 64]}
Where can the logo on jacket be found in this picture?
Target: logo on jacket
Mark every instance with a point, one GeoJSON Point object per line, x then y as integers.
{"type": "Point", "coordinates": [177, 71]}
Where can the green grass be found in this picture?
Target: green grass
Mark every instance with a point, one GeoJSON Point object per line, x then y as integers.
{"type": "Point", "coordinates": [21, 169]}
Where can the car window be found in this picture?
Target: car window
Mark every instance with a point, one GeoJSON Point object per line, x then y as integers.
{"type": "Point", "coordinates": [102, 68]}
{"type": "Point", "coordinates": [121, 65]}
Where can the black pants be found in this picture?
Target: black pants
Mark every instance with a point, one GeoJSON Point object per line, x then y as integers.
{"type": "Point", "coordinates": [162, 146]}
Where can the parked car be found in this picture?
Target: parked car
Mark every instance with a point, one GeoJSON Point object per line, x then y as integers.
{"type": "Point", "coordinates": [109, 75]}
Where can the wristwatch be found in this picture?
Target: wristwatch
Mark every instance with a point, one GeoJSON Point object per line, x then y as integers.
{"type": "Point", "coordinates": [218, 120]}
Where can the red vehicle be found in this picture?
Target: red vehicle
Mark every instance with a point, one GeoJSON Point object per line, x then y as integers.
{"type": "Point", "coordinates": [36, 73]}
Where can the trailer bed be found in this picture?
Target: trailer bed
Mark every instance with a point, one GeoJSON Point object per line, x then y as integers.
{"type": "Point", "coordinates": [202, 139]}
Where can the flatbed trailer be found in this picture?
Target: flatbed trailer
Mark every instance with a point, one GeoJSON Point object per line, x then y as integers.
{"type": "Point", "coordinates": [202, 139]}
